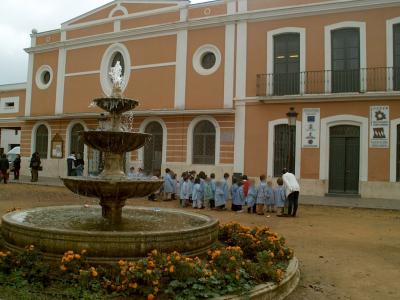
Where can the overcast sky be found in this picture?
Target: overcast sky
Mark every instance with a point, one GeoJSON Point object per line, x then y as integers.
{"type": "Point", "coordinates": [18, 17]}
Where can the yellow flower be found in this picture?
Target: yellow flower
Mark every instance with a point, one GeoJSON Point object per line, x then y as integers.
{"type": "Point", "coordinates": [94, 273]}
{"type": "Point", "coordinates": [154, 252]}
{"type": "Point", "coordinates": [148, 271]}
{"type": "Point", "coordinates": [122, 262]}
{"type": "Point", "coordinates": [232, 258]}
{"type": "Point", "coordinates": [63, 268]}
{"type": "Point", "coordinates": [83, 252]}
{"type": "Point", "coordinates": [77, 256]}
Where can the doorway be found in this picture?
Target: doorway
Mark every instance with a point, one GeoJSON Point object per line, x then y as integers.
{"type": "Point", "coordinates": [344, 159]}
{"type": "Point", "coordinates": [152, 154]}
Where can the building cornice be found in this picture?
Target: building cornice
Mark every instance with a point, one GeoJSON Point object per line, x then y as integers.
{"type": "Point", "coordinates": [13, 87]}
{"type": "Point", "coordinates": [250, 16]}
{"type": "Point", "coordinates": [139, 113]}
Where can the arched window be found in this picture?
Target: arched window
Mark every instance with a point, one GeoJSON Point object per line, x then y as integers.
{"type": "Point", "coordinates": [42, 137]}
{"type": "Point", "coordinates": [76, 143]}
{"type": "Point", "coordinates": [153, 150]}
{"type": "Point", "coordinates": [204, 143]}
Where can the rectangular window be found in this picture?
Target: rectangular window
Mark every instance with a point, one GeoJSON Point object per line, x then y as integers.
{"type": "Point", "coordinates": [284, 149]}
{"type": "Point", "coordinates": [396, 57]}
{"type": "Point", "coordinates": [286, 76]}
{"type": "Point", "coordinates": [345, 60]}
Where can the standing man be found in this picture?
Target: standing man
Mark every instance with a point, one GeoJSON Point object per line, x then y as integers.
{"type": "Point", "coordinates": [17, 166]}
{"type": "Point", "coordinates": [292, 190]}
{"type": "Point", "coordinates": [71, 164]}
{"type": "Point", "coordinates": [35, 166]}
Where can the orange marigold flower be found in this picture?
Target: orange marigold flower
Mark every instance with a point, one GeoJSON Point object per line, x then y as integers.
{"type": "Point", "coordinates": [77, 256]}
{"type": "Point", "coordinates": [94, 273]}
{"type": "Point", "coordinates": [148, 271]}
{"type": "Point", "coordinates": [121, 262]}
{"type": "Point", "coordinates": [133, 285]}
{"type": "Point", "coordinates": [63, 268]}
{"type": "Point", "coordinates": [171, 269]}
{"type": "Point", "coordinates": [150, 297]}
{"type": "Point", "coordinates": [154, 252]}
{"type": "Point", "coordinates": [83, 252]}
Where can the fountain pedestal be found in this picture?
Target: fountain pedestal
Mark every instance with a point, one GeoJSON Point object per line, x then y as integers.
{"type": "Point", "coordinates": [112, 209]}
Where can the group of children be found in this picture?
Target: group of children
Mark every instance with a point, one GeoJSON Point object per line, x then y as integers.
{"type": "Point", "coordinates": [201, 191]}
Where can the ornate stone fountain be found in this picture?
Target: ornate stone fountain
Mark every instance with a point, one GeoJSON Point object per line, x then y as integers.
{"type": "Point", "coordinates": [115, 232]}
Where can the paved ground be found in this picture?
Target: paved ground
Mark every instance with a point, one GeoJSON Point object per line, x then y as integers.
{"type": "Point", "coordinates": [344, 253]}
{"type": "Point", "coordinates": [353, 202]}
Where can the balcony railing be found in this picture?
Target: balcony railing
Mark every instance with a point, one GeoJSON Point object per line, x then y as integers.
{"type": "Point", "coordinates": [328, 82]}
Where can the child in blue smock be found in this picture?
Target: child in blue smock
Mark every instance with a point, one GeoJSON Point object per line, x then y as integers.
{"type": "Point", "coordinates": [220, 195]}
{"type": "Point", "coordinates": [261, 198]}
{"type": "Point", "coordinates": [234, 195]}
{"type": "Point", "coordinates": [197, 194]}
{"type": "Point", "coordinates": [251, 197]}
{"type": "Point", "coordinates": [270, 197]}
{"type": "Point", "coordinates": [280, 197]}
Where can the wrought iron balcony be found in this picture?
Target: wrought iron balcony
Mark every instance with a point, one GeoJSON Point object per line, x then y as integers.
{"type": "Point", "coordinates": [329, 82]}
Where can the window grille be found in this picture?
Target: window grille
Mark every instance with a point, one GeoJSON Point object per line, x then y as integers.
{"type": "Point", "coordinates": [42, 137]}
{"type": "Point", "coordinates": [284, 143]}
{"type": "Point", "coordinates": [204, 143]}
{"type": "Point", "coordinates": [76, 144]}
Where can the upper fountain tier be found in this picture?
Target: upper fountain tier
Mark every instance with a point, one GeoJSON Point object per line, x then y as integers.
{"type": "Point", "coordinates": [116, 105]}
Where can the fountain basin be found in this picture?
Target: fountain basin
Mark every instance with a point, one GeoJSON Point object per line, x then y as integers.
{"type": "Point", "coordinates": [54, 230]}
{"type": "Point", "coordinates": [111, 188]}
{"type": "Point", "coordinates": [115, 141]}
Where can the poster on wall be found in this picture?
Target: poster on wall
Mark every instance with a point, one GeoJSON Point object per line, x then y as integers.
{"type": "Point", "coordinates": [311, 127]}
{"type": "Point", "coordinates": [379, 127]}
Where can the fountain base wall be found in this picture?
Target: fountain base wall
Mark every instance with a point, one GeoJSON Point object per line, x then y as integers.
{"type": "Point", "coordinates": [110, 245]}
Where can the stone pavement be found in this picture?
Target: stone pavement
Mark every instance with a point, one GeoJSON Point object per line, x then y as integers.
{"type": "Point", "coordinates": [350, 202]}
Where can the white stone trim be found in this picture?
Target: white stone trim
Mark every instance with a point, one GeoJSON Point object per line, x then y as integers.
{"type": "Point", "coordinates": [240, 136]}
{"type": "Point", "coordinates": [149, 66]}
{"type": "Point", "coordinates": [82, 73]}
{"type": "Point", "coordinates": [271, 140]}
{"type": "Point", "coordinates": [229, 72]}
{"type": "Point", "coordinates": [389, 50]}
{"type": "Point", "coordinates": [328, 122]}
{"type": "Point", "coordinates": [270, 54]}
{"type": "Point", "coordinates": [192, 125]}
{"type": "Point", "coordinates": [198, 54]}
{"type": "Point", "coordinates": [49, 136]}
{"type": "Point", "coordinates": [117, 25]}
{"type": "Point", "coordinates": [393, 148]}
{"type": "Point", "coordinates": [62, 56]}
{"type": "Point", "coordinates": [242, 5]}
{"type": "Point", "coordinates": [231, 7]}
{"type": "Point", "coordinates": [119, 7]}
{"type": "Point", "coordinates": [363, 52]}
{"type": "Point", "coordinates": [63, 36]}
{"type": "Point", "coordinates": [183, 14]}
{"type": "Point", "coordinates": [180, 70]}
{"type": "Point", "coordinates": [28, 95]}
{"type": "Point", "coordinates": [106, 84]}
{"type": "Point", "coordinates": [241, 60]}
{"type": "Point", "coordinates": [142, 129]}
{"type": "Point", "coordinates": [38, 77]}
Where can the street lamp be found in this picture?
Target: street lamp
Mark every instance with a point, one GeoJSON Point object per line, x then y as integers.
{"type": "Point", "coordinates": [292, 118]}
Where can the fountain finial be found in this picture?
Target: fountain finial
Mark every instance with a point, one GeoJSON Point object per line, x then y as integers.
{"type": "Point", "coordinates": [116, 78]}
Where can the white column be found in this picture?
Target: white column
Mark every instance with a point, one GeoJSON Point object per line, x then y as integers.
{"type": "Point", "coordinates": [240, 129]}
{"type": "Point", "coordinates": [241, 60]}
{"type": "Point", "coordinates": [180, 69]}
{"type": "Point", "coordinates": [62, 54]}
{"type": "Point", "coordinates": [229, 64]}
{"type": "Point", "coordinates": [28, 95]}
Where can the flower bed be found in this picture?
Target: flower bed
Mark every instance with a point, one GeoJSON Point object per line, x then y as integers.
{"type": "Point", "coordinates": [242, 259]}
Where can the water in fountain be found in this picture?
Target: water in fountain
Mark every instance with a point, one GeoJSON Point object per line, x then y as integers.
{"type": "Point", "coordinates": [115, 233]}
